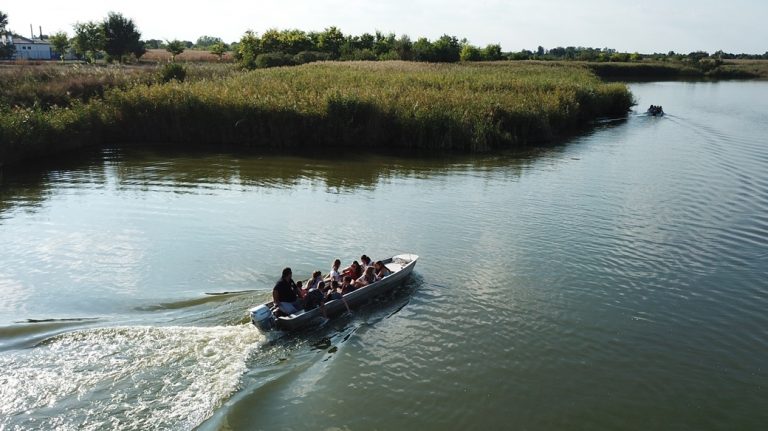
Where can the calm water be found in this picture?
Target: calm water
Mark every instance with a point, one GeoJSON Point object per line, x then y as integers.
{"type": "Point", "coordinates": [618, 281]}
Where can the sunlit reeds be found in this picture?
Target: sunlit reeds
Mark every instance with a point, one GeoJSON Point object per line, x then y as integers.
{"type": "Point", "coordinates": [368, 105]}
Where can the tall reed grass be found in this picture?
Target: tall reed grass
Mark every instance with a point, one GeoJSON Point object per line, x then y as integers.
{"type": "Point", "coordinates": [654, 70]}
{"type": "Point", "coordinates": [382, 106]}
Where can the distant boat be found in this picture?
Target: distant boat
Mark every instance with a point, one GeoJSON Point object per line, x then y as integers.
{"type": "Point", "coordinates": [655, 111]}
{"type": "Point", "coordinates": [401, 266]}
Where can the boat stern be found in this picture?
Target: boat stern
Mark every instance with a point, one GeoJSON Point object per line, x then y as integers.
{"type": "Point", "coordinates": [262, 318]}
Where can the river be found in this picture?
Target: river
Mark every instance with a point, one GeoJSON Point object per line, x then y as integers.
{"type": "Point", "coordinates": [618, 280]}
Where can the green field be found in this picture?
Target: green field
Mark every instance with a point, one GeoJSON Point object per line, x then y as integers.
{"type": "Point", "coordinates": [381, 106]}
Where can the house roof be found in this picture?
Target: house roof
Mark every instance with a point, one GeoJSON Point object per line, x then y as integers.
{"type": "Point", "coordinates": [21, 39]}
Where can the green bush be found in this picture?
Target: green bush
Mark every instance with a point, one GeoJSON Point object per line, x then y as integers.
{"type": "Point", "coordinates": [173, 71]}
{"type": "Point", "coordinates": [275, 59]}
{"type": "Point", "coordinates": [305, 57]}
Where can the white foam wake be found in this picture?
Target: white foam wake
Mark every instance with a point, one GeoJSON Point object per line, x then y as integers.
{"type": "Point", "coordinates": [124, 377]}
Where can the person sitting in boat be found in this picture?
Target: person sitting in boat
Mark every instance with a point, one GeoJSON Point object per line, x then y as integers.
{"type": "Point", "coordinates": [366, 262]}
{"type": "Point", "coordinates": [381, 270]}
{"type": "Point", "coordinates": [315, 281]}
{"type": "Point", "coordinates": [315, 296]}
{"type": "Point", "coordinates": [334, 292]}
{"type": "Point", "coordinates": [355, 270]}
{"type": "Point", "coordinates": [285, 294]}
{"type": "Point", "coordinates": [655, 110]}
{"type": "Point", "coordinates": [368, 278]}
{"type": "Point", "coordinates": [337, 292]}
{"type": "Point", "coordinates": [334, 275]}
{"type": "Point", "coordinates": [347, 285]}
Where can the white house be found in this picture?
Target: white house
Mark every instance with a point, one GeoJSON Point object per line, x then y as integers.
{"type": "Point", "coordinates": [29, 49]}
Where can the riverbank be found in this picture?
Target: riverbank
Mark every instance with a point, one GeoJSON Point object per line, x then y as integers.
{"type": "Point", "coordinates": [656, 70]}
{"type": "Point", "coordinates": [382, 105]}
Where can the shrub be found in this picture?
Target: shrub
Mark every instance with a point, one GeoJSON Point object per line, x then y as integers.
{"type": "Point", "coordinates": [310, 57]}
{"type": "Point", "coordinates": [276, 59]}
{"type": "Point", "coordinates": [173, 71]}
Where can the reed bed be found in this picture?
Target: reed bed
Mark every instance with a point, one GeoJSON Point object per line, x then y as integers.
{"type": "Point", "coordinates": [371, 105]}
{"type": "Point", "coordinates": [652, 70]}
{"type": "Point", "coordinates": [53, 84]}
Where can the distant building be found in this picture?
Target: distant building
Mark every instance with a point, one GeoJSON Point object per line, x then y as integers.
{"type": "Point", "coordinates": [29, 49]}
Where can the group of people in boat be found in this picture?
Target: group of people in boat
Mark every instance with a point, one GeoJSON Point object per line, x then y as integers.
{"type": "Point", "coordinates": [291, 297]}
{"type": "Point", "coordinates": [655, 110]}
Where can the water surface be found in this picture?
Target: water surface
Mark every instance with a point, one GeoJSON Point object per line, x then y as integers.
{"type": "Point", "coordinates": [616, 281]}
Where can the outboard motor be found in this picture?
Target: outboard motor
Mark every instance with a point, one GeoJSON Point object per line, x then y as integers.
{"type": "Point", "coordinates": [262, 318]}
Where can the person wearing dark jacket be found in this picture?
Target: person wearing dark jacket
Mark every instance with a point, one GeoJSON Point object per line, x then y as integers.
{"type": "Point", "coordinates": [285, 294]}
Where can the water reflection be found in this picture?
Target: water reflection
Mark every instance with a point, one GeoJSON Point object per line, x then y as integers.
{"type": "Point", "coordinates": [201, 171]}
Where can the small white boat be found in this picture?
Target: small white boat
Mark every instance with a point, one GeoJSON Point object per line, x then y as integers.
{"type": "Point", "coordinates": [401, 266]}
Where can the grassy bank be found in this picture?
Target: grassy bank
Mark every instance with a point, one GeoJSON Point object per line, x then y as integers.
{"type": "Point", "coordinates": [470, 107]}
{"type": "Point", "coordinates": [655, 70]}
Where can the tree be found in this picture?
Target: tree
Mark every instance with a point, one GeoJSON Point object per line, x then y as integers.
{"type": "Point", "coordinates": [291, 42]}
{"type": "Point", "coordinates": [207, 41]}
{"type": "Point", "coordinates": [330, 41]}
{"type": "Point", "coordinates": [285, 41]}
{"type": "Point", "coordinates": [557, 52]}
{"type": "Point", "coordinates": [60, 42]}
{"type": "Point", "coordinates": [6, 49]}
{"type": "Point", "coordinates": [522, 55]}
{"type": "Point", "coordinates": [248, 49]}
{"type": "Point", "coordinates": [491, 52]}
{"type": "Point", "coordinates": [470, 53]}
{"type": "Point", "coordinates": [383, 43]}
{"type": "Point", "coordinates": [121, 37]}
{"type": "Point", "coordinates": [153, 44]}
{"type": "Point", "coordinates": [447, 49]}
{"type": "Point", "coordinates": [423, 50]}
{"type": "Point", "coordinates": [697, 56]}
{"type": "Point", "coordinates": [404, 48]}
{"type": "Point", "coordinates": [366, 41]}
{"type": "Point", "coordinates": [175, 47]}
{"type": "Point", "coordinates": [219, 49]}
{"type": "Point", "coordinates": [88, 40]}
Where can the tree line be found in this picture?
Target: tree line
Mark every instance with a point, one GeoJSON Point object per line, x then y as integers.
{"type": "Point", "coordinates": [283, 47]}
{"type": "Point", "coordinates": [117, 38]}
{"type": "Point", "coordinates": [611, 55]}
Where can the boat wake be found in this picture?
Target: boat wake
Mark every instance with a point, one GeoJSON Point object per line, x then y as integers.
{"type": "Point", "coordinates": [125, 377]}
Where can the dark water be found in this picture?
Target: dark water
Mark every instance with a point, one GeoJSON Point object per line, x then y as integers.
{"type": "Point", "coordinates": [618, 281]}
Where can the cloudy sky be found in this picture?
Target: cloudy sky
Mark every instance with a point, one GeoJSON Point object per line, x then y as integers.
{"type": "Point", "coordinates": [638, 25]}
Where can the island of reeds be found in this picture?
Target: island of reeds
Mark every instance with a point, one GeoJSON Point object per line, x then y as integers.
{"type": "Point", "coordinates": [389, 106]}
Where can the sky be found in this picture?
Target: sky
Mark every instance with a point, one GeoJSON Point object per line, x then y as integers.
{"type": "Point", "coordinates": [644, 26]}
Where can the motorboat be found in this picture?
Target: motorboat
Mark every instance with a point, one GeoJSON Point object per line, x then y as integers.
{"type": "Point", "coordinates": [655, 111]}
{"type": "Point", "coordinates": [401, 266]}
